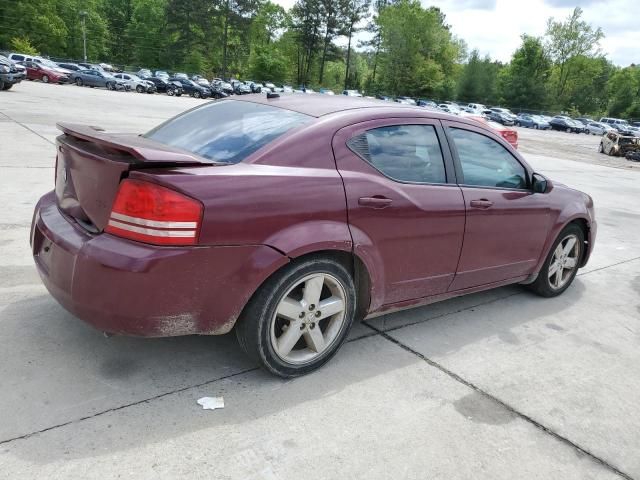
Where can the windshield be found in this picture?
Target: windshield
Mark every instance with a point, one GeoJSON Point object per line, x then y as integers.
{"type": "Point", "coordinates": [227, 131]}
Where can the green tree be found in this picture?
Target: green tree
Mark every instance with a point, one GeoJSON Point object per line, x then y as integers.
{"type": "Point", "coordinates": [623, 90]}
{"type": "Point", "coordinates": [524, 82]}
{"type": "Point", "coordinates": [355, 12]}
{"type": "Point", "coordinates": [565, 41]}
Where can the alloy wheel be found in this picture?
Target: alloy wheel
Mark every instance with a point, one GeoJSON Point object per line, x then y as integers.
{"type": "Point", "coordinates": [45, 79]}
{"type": "Point", "coordinates": [308, 319]}
{"type": "Point", "coordinates": [563, 262]}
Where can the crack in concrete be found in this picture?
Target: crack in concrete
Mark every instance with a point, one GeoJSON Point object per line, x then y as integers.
{"type": "Point", "coordinates": [27, 128]}
{"type": "Point", "coordinates": [121, 407]}
{"type": "Point", "coordinates": [503, 404]}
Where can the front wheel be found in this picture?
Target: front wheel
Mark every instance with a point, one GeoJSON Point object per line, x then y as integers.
{"type": "Point", "coordinates": [562, 263]}
{"type": "Point", "coordinates": [139, 89]}
{"type": "Point", "coordinates": [78, 81]}
{"type": "Point", "coordinates": [197, 94]}
{"type": "Point", "coordinates": [170, 92]}
{"type": "Point", "coordinates": [45, 78]}
{"type": "Point", "coordinates": [299, 318]}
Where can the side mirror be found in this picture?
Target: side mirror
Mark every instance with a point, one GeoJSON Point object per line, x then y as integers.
{"type": "Point", "coordinates": [540, 184]}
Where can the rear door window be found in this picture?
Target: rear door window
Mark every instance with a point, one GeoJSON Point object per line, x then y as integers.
{"type": "Point", "coordinates": [406, 153]}
{"type": "Point", "coordinates": [227, 131]}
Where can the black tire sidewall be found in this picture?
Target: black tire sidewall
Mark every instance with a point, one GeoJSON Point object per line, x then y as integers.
{"type": "Point", "coordinates": [542, 285]}
{"type": "Point", "coordinates": [253, 329]}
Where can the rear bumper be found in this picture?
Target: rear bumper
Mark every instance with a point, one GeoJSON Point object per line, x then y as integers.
{"type": "Point", "coordinates": [131, 288]}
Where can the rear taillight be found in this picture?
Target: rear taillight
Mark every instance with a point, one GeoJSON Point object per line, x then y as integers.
{"type": "Point", "coordinates": [150, 213]}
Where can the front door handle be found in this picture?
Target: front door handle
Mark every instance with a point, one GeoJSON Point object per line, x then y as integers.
{"type": "Point", "coordinates": [377, 201]}
{"type": "Point", "coordinates": [482, 203]}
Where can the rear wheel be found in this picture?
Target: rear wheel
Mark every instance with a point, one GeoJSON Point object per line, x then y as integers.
{"type": "Point", "coordinates": [197, 94]}
{"type": "Point", "coordinates": [170, 92]}
{"type": "Point", "coordinates": [139, 89]}
{"type": "Point", "coordinates": [562, 263]}
{"type": "Point", "coordinates": [79, 81]}
{"type": "Point", "coordinates": [568, 130]}
{"type": "Point", "coordinates": [299, 318]}
{"type": "Point", "coordinates": [45, 78]}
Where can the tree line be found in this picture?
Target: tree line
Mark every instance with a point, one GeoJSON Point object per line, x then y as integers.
{"type": "Point", "coordinates": [409, 49]}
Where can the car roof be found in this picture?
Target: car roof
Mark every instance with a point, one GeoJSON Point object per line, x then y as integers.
{"type": "Point", "coordinates": [321, 105]}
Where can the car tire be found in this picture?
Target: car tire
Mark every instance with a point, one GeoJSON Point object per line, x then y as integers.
{"type": "Point", "coordinates": [170, 92]}
{"type": "Point", "coordinates": [299, 289]}
{"type": "Point", "coordinates": [601, 148]}
{"type": "Point", "coordinates": [555, 277]}
{"type": "Point", "coordinates": [568, 130]}
{"type": "Point", "coordinates": [178, 94]}
{"type": "Point", "coordinates": [45, 79]}
{"type": "Point", "coordinates": [139, 89]}
{"type": "Point", "coordinates": [79, 81]}
{"type": "Point", "coordinates": [5, 86]}
{"type": "Point", "coordinates": [197, 94]}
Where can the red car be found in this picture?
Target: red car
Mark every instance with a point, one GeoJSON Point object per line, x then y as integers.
{"type": "Point", "coordinates": [37, 71]}
{"type": "Point", "coordinates": [289, 217]}
{"type": "Point", "coordinates": [509, 134]}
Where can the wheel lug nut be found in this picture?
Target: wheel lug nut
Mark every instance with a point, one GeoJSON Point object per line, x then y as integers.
{"type": "Point", "coordinates": [318, 313]}
{"type": "Point", "coordinates": [312, 326]}
{"type": "Point", "coordinates": [311, 307]}
{"type": "Point", "coordinates": [302, 314]}
{"type": "Point", "coordinates": [302, 326]}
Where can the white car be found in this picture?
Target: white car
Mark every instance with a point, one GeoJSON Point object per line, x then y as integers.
{"type": "Point", "coordinates": [597, 128]}
{"type": "Point", "coordinates": [134, 82]}
{"type": "Point", "coordinates": [351, 93]}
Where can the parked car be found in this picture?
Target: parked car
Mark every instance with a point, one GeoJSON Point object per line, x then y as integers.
{"type": "Point", "coordinates": [326, 91]}
{"type": "Point", "coordinates": [532, 121]}
{"type": "Point", "coordinates": [192, 88]}
{"type": "Point", "coordinates": [597, 128]}
{"type": "Point", "coordinates": [9, 73]}
{"type": "Point", "coordinates": [613, 121]}
{"type": "Point", "coordinates": [499, 116]}
{"type": "Point", "coordinates": [258, 210]}
{"type": "Point", "coordinates": [181, 75]}
{"type": "Point", "coordinates": [351, 93]}
{"type": "Point", "coordinates": [165, 86]}
{"type": "Point", "coordinates": [406, 100]}
{"type": "Point", "coordinates": [44, 62]}
{"type": "Point", "coordinates": [478, 107]}
{"type": "Point", "coordinates": [72, 67]}
{"type": "Point", "coordinates": [144, 73]}
{"type": "Point", "coordinates": [566, 124]}
{"type": "Point", "coordinates": [136, 83]}
{"type": "Point", "coordinates": [583, 120]}
{"type": "Point", "coordinates": [200, 80]}
{"type": "Point", "coordinates": [97, 78]}
{"type": "Point", "coordinates": [223, 86]}
{"type": "Point", "coordinates": [427, 103]}
{"type": "Point", "coordinates": [268, 86]}
{"type": "Point", "coordinates": [386, 98]}
{"type": "Point", "coordinates": [509, 134]}
{"type": "Point", "coordinates": [161, 74]}
{"type": "Point", "coordinates": [38, 71]}
{"type": "Point", "coordinates": [287, 89]}
{"type": "Point", "coordinates": [505, 112]}
{"type": "Point", "coordinates": [448, 108]}
{"type": "Point", "coordinates": [615, 144]}
{"type": "Point", "coordinates": [240, 88]}
{"type": "Point", "coordinates": [255, 86]}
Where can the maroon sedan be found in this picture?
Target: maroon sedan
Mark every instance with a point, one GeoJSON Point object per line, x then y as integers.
{"type": "Point", "coordinates": [44, 73]}
{"type": "Point", "coordinates": [290, 217]}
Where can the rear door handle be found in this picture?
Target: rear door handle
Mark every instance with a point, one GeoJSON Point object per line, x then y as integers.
{"type": "Point", "coordinates": [482, 203]}
{"type": "Point", "coordinates": [377, 201]}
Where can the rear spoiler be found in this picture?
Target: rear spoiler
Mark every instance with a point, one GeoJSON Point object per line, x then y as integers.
{"type": "Point", "coordinates": [141, 149]}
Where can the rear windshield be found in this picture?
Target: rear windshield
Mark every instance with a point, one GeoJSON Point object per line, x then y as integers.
{"type": "Point", "coordinates": [227, 131]}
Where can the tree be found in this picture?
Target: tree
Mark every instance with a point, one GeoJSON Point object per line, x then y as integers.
{"type": "Point", "coordinates": [418, 55]}
{"type": "Point", "coordinates": [307, 23]}
{"type": "Point", "coordinates": [567, 40]}
{"type": "Point", "coordinates": [524, 82]}
{"type": "Point", "coordinates": [355, 12]}
{"type": "Point", "coordinates": [623, 90]}
{"type": "Point", "coordinates": [333, 15]}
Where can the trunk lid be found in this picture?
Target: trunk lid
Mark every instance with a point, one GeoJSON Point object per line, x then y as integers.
{"type": "Point", "coordinates": [91, 162]}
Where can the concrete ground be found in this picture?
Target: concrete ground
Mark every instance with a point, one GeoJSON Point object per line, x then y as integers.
{"type": "Point", "coordinates": [497, 385]}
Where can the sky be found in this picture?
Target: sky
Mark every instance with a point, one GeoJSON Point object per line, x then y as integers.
{"type": "Point", "coordinates": [494, 26]}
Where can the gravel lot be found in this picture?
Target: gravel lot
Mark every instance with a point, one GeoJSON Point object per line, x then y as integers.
{"type": "Point", "coordinates": [497, 385]}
